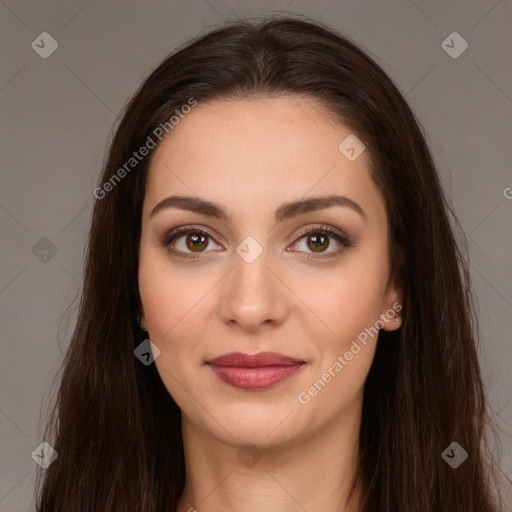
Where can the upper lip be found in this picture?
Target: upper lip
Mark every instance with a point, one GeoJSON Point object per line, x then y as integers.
{"type": "Point", "coordinates": [239, 359]}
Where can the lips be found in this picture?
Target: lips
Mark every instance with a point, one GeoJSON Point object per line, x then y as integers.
{"type": "Point", "coordinates": [242, 360]}
{"type": "Point", "coordinates": [257, 371]}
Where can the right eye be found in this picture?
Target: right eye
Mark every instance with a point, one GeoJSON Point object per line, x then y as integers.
{"type": "Point", "coordinates": [196, 241]}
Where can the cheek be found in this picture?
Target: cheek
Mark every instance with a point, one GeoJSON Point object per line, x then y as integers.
{"type": "Point", "coordinates": [350, 308]}
{"type": "Point", "coordinates": [167, 294]}
{"type": "Point", "coordinates": [176, 308]}
{"type": "Point", "coordinates": [172, 308]}
{"type": "Point", "coordinates": [350, 299]}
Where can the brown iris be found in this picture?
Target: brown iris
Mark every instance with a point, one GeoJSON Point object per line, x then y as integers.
{"type": "Point", "coordinates": [318, 246]}
{"type": "Point", "coordinates": [196, 241]}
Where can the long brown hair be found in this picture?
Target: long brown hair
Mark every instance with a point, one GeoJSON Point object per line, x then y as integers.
{"type": "Point", "coordinates": [114, 425]}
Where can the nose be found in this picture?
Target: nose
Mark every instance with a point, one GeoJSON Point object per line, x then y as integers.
{"type": "Point", "coordinates": [253, 295]}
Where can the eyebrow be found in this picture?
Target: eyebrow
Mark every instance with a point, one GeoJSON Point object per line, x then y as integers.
{"type": "Point", "coordinates": [284, 212]}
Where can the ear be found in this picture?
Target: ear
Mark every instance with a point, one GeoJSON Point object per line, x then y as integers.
{"type": "Point", "coordinates": [142, 321]}
{"type": "Point", "coordinates": [394, 297]}
{"type": "Point", "coordinates": [143, 324]}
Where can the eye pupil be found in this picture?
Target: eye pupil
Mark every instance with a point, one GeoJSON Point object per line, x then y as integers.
{"type": "Point", "coordinates": [192, 241]}
{"type": "Point", "coordinates": [319, 245]}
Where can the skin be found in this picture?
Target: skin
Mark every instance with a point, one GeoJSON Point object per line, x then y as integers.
{"type": "Point", "coordinates": [250, 156]}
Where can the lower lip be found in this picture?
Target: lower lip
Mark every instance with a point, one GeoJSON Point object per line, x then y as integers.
{"type": "Point", "coordinates": [254, 378]}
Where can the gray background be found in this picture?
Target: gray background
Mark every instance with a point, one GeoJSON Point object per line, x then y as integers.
{"type": "Point", "coordinates": [57, 113]}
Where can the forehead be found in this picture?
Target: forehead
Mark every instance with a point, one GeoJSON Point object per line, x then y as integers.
{"type": "Point", "coordinates": [247, 152]}
{"type": "Point", "coordinates": [239, 127]}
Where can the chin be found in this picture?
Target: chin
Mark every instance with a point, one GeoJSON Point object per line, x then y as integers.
{"type": "Point", "coordinates": [251, 425]}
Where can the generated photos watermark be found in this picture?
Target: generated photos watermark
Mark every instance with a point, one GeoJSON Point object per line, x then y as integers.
{"type": "Point", "coordinates": [137, 156]}
{"type": "Point", "coordinates": [304, 397]}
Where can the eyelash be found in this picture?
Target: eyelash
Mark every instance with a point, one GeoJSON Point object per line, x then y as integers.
{"type": "Point", "coordinates": [324, 229]}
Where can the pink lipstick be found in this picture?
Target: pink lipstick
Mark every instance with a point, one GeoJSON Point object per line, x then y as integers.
{"type": "Point", "coordinates": [257, 371]}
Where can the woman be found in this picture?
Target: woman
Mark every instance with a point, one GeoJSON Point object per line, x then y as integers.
{"type": "Point", "coordinates": [276, 315]}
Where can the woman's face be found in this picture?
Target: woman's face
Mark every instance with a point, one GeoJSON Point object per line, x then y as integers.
{"type": "Point", "coordinates": [247, 279]}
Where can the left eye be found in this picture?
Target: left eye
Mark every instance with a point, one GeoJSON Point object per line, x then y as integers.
{"type": "Point", "coordinates": [319, 241]}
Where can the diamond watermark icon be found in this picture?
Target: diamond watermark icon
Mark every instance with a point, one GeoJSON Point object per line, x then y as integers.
{"type": "Point", "coordinates": [454, 455]}
{"type": "Point", "coordinates": [454, 45]}
{"type": "Point", "coordinates": [249, 455]}
{"type": "Point", "coordinates": [249, 249]}
{"type": "Point", "coordinates": [44, 250]}
{"type": "Point", "coordinates": [351, 147]}
{"type": "Point", "coordinates": [44, 45]}
{"type": "Point", "coordinates": [44, 455]}
{"type": "Point", "coordinates": [147, 352]}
